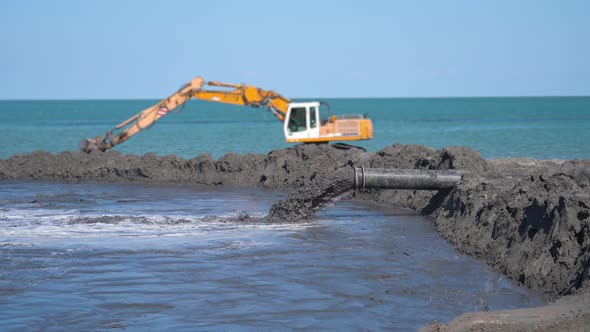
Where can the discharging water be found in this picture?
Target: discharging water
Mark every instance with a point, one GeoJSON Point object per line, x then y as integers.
{"type": "Point", "coordinates": [100, 257]}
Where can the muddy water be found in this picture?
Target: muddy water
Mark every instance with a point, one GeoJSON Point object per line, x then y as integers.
{"type": "Point", "coordinates": [98, 257]}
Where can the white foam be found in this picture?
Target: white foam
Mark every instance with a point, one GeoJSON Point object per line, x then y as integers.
{"type": "Point", "coordinates": [34, 225]}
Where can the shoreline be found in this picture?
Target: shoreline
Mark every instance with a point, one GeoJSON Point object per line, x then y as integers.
{"type": "Point", "coordinates": [528, 219]}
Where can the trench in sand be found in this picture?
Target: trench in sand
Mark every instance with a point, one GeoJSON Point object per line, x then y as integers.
{"type": "Point", "coordinates": [177, 255]}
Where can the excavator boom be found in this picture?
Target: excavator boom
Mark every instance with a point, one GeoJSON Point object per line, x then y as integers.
{"type": "Point", "coordinates": [246, 95]}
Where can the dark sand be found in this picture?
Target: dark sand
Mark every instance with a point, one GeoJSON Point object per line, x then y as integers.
{"type": "Point", "coordinates": [527, 218]}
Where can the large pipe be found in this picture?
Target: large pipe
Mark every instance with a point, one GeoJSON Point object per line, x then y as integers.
{"type": "Point", "coordinates": [415, 179]}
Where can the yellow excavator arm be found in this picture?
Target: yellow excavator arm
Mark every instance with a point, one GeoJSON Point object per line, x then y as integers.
{"type": "Point", "coordinates": [246, 95]}
{"type": "Point", "coordinates": [240, 94]}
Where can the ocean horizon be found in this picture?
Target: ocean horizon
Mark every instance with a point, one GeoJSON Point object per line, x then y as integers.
{"type": "Point", "coordinates": [548, 127]}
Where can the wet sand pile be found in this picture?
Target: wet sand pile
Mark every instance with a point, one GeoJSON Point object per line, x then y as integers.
{"type": "Point", "coordinates": [527, 218]}
{"type": "Point", "coordinates": [286, 168]}
{"type": "Point", "coordinates": [535, 230]}
{"type": "Point", "coordinates": [567, 314]}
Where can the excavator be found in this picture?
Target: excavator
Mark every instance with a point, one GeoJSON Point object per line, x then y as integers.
{"type": "Point", "coordinates": [302, 121]}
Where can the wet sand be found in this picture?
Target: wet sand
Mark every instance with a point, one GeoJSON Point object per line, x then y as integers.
{"type": "Point", "coordinates": [526, 218]}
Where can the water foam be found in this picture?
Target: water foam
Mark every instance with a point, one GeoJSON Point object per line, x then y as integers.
{"type": "Point", "coordinates": [30, 226]}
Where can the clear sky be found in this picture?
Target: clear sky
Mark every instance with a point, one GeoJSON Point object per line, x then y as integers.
{"type": "Point", "coordinates": [146, 49]}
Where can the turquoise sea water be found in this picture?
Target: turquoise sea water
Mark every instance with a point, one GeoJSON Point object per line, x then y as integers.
{"type": "Point", "coordinates": [539, 127]}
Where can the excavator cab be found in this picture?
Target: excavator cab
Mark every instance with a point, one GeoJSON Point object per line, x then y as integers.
{"type": "Point", "coordinates": [302, 121]}
{"type": "Point", "coordinates": [303, 124]}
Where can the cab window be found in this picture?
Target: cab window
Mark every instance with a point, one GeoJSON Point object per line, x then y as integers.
{"type": "Point", "coordinates": [312, 122]}
{"type": "Point", "coordinates": [297, 119]}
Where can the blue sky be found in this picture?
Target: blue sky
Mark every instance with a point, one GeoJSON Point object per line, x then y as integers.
{"type": "Point", "coordinates": [147, 49]}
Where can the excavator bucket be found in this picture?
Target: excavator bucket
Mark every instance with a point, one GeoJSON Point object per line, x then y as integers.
{"type": "Point", "coordinates": [88, 145]}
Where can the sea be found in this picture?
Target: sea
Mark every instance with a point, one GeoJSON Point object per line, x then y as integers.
{"type": "Point", "coordinates": [537, 127]}
{"type": "Point", "coordinates": [136, 257]}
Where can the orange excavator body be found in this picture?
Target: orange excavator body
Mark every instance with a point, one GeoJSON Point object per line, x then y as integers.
{"type": "Point", "coordinates": [302, 121]}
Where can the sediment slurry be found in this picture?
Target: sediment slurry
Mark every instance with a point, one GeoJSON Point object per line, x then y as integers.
{"type": "Point", "coordinates": [527, 218]}
{"type": "Point", "coordinates": [307, 200]}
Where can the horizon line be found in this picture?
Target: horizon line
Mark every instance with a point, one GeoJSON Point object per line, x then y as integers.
{"type": "Point", "coordinates": [316, 98]}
